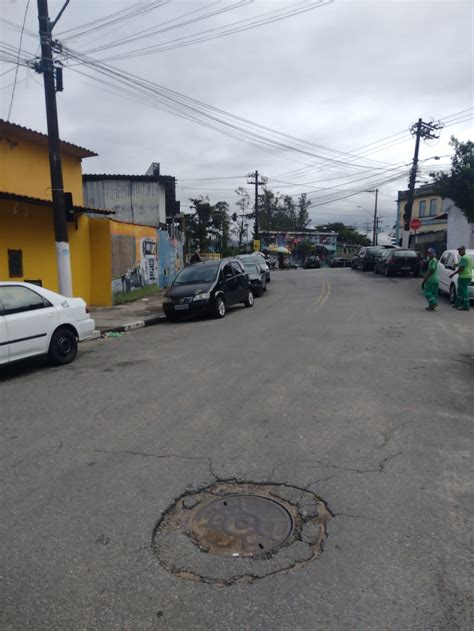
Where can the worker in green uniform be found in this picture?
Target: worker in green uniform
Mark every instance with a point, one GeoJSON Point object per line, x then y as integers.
{"type": "Point", "coordinates": [464, 272]}
{"type": "Point", "coordinates": [431, 281]}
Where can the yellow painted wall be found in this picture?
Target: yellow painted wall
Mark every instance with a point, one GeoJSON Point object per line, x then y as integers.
{"type": "Point", "coordinates": [24, 170]}
{"type": "Point", "coordinates": [101, 262]}
{"type": "Point", "coordinates": [29, 228]}
{"type": "Point", "coordinates": [442, 225]}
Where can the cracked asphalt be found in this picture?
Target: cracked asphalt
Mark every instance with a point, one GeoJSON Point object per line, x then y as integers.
{"type": "Point", "coordinates": [336, 382]}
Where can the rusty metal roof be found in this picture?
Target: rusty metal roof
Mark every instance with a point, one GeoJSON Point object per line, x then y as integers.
{"type": "Point", "coordinates": [94, 177]}
{"type": "Point", "coordinates": [47, 202]}
{"type": "Point", "coordinates": [30, 134]}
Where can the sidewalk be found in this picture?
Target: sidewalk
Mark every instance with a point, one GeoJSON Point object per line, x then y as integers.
{"type": "Point", "coordinates": [132, 315]}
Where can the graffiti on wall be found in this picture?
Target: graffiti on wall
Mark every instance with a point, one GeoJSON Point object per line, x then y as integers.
{"type": "Point", "coordinates": [143, 256]}
{"type": "Point", "coordinates": [134, 255]}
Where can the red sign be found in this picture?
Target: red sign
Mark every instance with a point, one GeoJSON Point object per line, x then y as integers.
{"type": "Point", "coordinates": [415, 224]}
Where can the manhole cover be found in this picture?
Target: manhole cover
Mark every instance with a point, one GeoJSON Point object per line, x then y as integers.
{"type": "Point", "coordinates": [233, 532]}
{"type": "Point", "coordinates": [242, 525]}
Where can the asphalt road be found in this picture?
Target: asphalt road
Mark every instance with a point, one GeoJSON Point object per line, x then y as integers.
{"type": "Point", "coordinates": [336, 381]}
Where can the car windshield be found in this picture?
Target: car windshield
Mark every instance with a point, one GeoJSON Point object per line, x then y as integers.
{"type": "Point", "coordinates": [251, 267]}
{"type": "Point", "coordinates": [404, 254]}
{"type": "Point", "coordinates": [197, 274]}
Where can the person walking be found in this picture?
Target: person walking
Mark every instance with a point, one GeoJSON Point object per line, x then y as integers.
{"type": "Point", "coordinates": [464, 272]}
{"type": "Point", "coordinates": [431, 281]}
{"type": "Point", "coordinates": [195, 258]}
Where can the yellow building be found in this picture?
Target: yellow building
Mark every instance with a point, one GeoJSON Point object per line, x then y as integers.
{"type": "Point", "coordinates": [27, 243]}
{"type": "Point", "coordinates": [431, 210]}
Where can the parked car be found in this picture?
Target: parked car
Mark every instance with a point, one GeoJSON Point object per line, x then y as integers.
{"type": "Point", "coordinates": [258, 259]}
{"type": "Point", "coordinates": [209, 288]}
{"type": "Point", "coordinates": [312, 262]}
{"type": "Point", "coordinates": [364, 259]}
{"type": "Point", "coordinates": [446, 266]}
{"type": "Point", "coordinates": [391, 262]}
{"type": "Point", "coordinates": [257, 277]}
{"type": "Point", "coordinates": [36, 321]}
{"type": "Point", "coordinates": [340, 262]}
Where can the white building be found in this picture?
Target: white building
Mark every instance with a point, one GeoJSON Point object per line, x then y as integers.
{"type": "Point", "coordinates": [460, 231]}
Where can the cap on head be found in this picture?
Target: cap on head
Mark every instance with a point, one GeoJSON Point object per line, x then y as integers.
{"type": "Point", "coordinates": [431, 251]}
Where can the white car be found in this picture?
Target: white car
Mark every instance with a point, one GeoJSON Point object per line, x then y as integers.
{"type": "Point", "coordinates": [447, 265]}
{"type": "Point", "coordinates": [36, 321]}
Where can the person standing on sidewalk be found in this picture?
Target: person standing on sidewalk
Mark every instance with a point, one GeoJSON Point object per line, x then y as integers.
{"type": "Point", "coordinates": [431, 281]}
{"type": "Point", "coordinates": [464, 272]}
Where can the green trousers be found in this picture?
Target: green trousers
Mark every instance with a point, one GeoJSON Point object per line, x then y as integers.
{"type": "Point", "coordinates": [431, 293]}
{"type": "Point", "coordinates": [462, 298]}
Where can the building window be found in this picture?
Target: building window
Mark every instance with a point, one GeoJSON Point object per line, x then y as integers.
{"type": "Point", "coordinates": [422, 208]}
{"type": "Point", "coordinates": [433, 207]}
{"type": "Point", "coordinates": [15, 263]}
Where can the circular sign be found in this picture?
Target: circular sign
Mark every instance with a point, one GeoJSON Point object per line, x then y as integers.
{"type": "Point", "coordinates": [415, 224]}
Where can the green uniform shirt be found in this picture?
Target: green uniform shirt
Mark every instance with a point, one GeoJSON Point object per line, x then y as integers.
{"type": "Point", "coordinates": [465, 262]}
{"type": "Point", "coordinates": [434, 277]}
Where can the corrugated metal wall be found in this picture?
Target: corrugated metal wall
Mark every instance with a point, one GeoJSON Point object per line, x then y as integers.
{"type": "Point", "coordinates": [133, 201]}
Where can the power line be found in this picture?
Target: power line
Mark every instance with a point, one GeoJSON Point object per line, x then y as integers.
{"type": "Point", "coordinates": [18, 60]}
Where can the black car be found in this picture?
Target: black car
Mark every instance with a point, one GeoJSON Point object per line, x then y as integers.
{"type": "Point", "coordinates": [312, 262]}
{"type": "Point", "coordinates": [257, 259]}
{"type": "Point", "coordinates": [208, 288]}
{"type": "Point", "coordinates": [391, 262]}
{"type": "Point", "coordinates": [340, 262]}
{"type": "Point", "coordinates": [365, 257]}
{"type": "Point", "coordinates": [257, 277]}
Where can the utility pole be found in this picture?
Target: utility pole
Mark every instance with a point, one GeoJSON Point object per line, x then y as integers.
{"type": "Point", "coordinates": [420, 130]}
{"type": "Point", "coordinates": [46, 66]}
{"type": "Point", "coordinates": [253, 178]}
{"type": "Point", "coordinates": [375, 224]}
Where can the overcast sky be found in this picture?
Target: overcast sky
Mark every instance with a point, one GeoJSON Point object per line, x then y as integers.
{"type": "Point", "coordinates": [342, 75]}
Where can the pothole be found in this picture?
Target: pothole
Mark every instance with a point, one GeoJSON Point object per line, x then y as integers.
{"type": "Point", "coordinates": [238, 532]}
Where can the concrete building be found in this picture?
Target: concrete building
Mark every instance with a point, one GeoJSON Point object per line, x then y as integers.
{"type": "Point", "coordinates": [27, 242]}
{"type": "Point", "coordinates": [432, 211]}
{"type": "Point", "coordinates": [460, 231]}
{"type": "Point", "coordinates": [148, 200]}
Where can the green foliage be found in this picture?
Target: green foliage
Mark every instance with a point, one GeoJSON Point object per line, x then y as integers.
{"type": "Point", "coordinates": [458, 185]}
{"type": "Point", "coordinates": [347, 234]}
{"type": "Point", "coordinates": [209, 228]}
{"type": "Point", "coordinates": [281, 213]}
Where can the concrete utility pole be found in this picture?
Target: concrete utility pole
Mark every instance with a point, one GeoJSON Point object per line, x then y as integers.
{"type": "Point", "coordinates": [253, 178]}
{"type": "Point", "coordinates": [419, 130]}
{"type": "Point", "coordinates": [375, 223]}
{"type": "Point", "coordinates": [46, 66]}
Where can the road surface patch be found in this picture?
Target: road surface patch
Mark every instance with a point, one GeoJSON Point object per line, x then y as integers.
{"type": "Point", "coordinates": [234, 532]}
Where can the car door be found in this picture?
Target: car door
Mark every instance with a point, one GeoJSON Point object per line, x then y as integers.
{"type": "Point", "coordinates": [242, 280]}
{"type": "Point", "coordinates": [446, 267]}
{"type": "Point", "coordinates": [29, 320]}
{"type": "Point", "coordinates": [4, 350]}
{"type": "Point", "coordinates": [231, 286]}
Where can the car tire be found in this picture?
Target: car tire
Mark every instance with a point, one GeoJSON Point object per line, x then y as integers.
{"type": "Point", "coordinates": [220, 307]}
{"type": "Point", "coordinates": [250, 300]}
{"type": "Point", "coordinates": [363, 267]}
{"type": "Point", "coordinates": [376, 271]}
{"type": "Point", "coordinates": [264, 285]}
{"type": "Point", "coordinates": [452, 293]}
{"type": "Point", "coordinates": [63, 347]}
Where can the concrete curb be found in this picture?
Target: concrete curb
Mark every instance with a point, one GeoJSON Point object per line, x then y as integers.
{"type": "Point", "coordinates": [131, 326]}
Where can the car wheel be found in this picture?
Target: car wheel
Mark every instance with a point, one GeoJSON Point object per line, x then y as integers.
{"type": "Point", "coordinates": [63, 347]}
{"type": "Point", "coordinates": [250, 299]}
{"type": "Point", "coordinates": [376, 269]}
{"type": "Point", "coordinates": [264, 285]}
{"type": "Point", "coordinates": [220, 308]}
{"type": "Point", "coordinates": [452, 293]}
{"type": "Point", "coordinates": [268, 278]}
{"type": "Point", "coordinates": [353, 265]}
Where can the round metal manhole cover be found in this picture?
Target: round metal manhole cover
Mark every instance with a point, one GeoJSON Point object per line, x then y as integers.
{"type": "Point", "coordinates": [232, 532]}
{"type": "Point", "coordinates": [241, 525]}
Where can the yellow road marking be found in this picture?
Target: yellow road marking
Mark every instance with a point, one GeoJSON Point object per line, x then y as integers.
{"type": "Point", "coordinates": [323, 296]}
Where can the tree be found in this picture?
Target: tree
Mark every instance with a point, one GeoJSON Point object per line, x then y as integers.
{"type": "Point", "coordinates": [303, 219]}
{"type": "Point", "coordinates": [243, 204]}
{"type": "Point", "coordinates": [220, 226]}
{"type": "Point", "coordinates": [347, 234]}
{"type": "Point", "coordinates": [458, 185]}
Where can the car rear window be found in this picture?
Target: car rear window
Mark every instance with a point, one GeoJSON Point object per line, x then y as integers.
{"type": "Point", "coordinates": [406, 254]}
